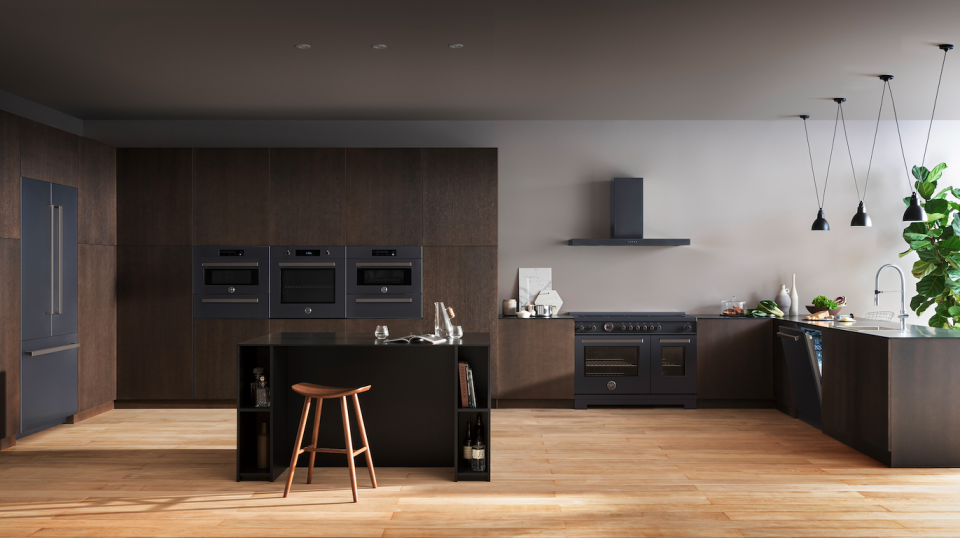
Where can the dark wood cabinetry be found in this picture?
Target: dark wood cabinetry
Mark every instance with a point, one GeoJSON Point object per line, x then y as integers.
{"type": "Point", "coordinates": [307, 326]}
{"type": "Point", "coordinates": [154, 323]}
{"type": "Point", "coordinates": [9, 339]}
{"type": "Point", "coordinates": [460, 196]}
{"type": "Point", "coordinates": [154, 196]}
{"type": "Point", "coordinates": [735, 359]}
{"type": "Point", "coordinates": [384, 197]}
{"type": "Point", "coordinates": [231, 197]}
{"type": "Point", "coordinates": [48, 154]}
{"type": "Point", "coordinates": [782, 392]}
{"type": "Point", "coordinates": [396, 327]}
{"type": "Point", "coordinates": [307, 196]}
{"type": "Point", "coordinates": [535, 359]}
{"type": "Point", "coordinates": [98, 193]}
{"type": "Point", "coordinates": [215, 354]}
{"type": "Point", "coordinates": [9, 176]}
{"type": "Point", "coordinates": [97, 325]}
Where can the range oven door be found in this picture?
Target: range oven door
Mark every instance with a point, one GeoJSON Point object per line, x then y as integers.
{"type": "Point", "coordinates": [673, 364]}
{"type": "Point", "coordinates": [304, 286]}
{"type": "Point", "coordinates": [612, 364]}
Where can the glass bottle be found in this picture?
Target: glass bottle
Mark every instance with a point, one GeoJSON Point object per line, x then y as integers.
{"type": "Point", "coordinates": [447, 324]}
{"type": "Point", "coordinates": [478, 462]}
{"type": "Point", "coordinates": [437, 323]}
{"type": "Point", "coordinates": [468, 443]}
{"type": "Point", "coordinates": [263, 393]}
{"type": "Point", "coordinates": [257, 373]}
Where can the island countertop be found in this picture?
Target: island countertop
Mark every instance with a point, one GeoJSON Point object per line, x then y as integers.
{"type": "Point", "coordinates": [355, 340]}
{"type": "Point", "coordinates": [886, 329]}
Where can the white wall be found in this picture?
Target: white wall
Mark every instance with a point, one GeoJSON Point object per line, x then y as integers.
{"type": "Point", "coordinates": [740, 190]}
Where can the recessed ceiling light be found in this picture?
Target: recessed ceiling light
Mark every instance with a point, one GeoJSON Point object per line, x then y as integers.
{"type": "Point", "coordinates": [456, 45]}
{"type": "Point", "coordinates": [303, 46]}
{"type": "Point", "coordinates": [380, 46]}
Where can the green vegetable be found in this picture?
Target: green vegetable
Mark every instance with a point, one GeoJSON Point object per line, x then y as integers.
{"type": "Point", "coordinates": [770, 308]}
{"type": "Point", "coordinates": [822, 302]}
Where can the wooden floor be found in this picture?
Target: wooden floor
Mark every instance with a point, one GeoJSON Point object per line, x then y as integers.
{"type": "Point", "coordinates": [596, 473]}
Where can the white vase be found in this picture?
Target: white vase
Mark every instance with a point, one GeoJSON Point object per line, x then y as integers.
{"type": "Point", "coordinates": [794, 299]}
{"type": "Point", "coordinates": [783, 298]}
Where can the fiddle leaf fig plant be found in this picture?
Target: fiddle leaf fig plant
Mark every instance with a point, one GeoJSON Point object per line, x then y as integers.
{"type": "Point", "coordinates": [937, 242]}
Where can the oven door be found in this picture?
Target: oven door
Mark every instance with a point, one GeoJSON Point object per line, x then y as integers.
{"type": "Point", "coordinates": [612, 364]}
{"type": "Point", "coordinates": [673, 364]}
{"type": "Point", "coordinates": [214, 277]}
{"type": "Point", "coordinates": [301, 289]}
{"type": "Point", "coordinates": [375, 277]}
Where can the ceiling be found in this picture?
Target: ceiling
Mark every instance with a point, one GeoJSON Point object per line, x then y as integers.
{"type": "Point", "coordinates": [522, 60]}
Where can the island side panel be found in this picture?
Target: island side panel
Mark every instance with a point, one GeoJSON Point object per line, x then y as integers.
{"type": "Point", "coordinates": [925, 402]}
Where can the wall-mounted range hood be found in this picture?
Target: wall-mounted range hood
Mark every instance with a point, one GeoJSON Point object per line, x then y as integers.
{"type": "Point", "coordinates": [626, 218]}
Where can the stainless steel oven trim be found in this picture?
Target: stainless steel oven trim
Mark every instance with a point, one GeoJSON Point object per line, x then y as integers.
{"type": "Point", "coordinates": [613, 341]}
{"type": "Point", "coordinates": [674, 340]}
{"type": "Point", "coordinates": [253, 300]}
{"type": "Point", "coordinates": [315, 264]}
{"type": "Point", "coordinates": [405, 300]}
{"type": "Point", "coordinates": [384, 264]}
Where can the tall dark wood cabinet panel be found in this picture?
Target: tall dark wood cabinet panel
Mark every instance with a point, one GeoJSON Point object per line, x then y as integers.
{"type": "Point", "coordinates": [465, 279]}
{"type": "Point", "coordinates": [9, 339]}
{"type": "Point", "coordinates": [98, 193]}
{"type": "Point", "coordinates": [97, 325]}
{"type": "Point", "coordinates": [215, 354]}
{"type": "Point", "coordinates": [154, 323]}
{"type": "Point", "coordinates": [307, 196]}
{"type": "Point", "coordinates": [460, 197]}
{"type": "Point", "coordinates": [9, 176]}
{"type": "Point", "coordinates": [735, 359]}
{"type": "Point", "coordinates": [154, 196]}
{"type": "Point", "coordinates": [48, 154]}
{"type": "Point", "coordinates": [535, 359]}
{"type": "Point", "coordinates": [384, 197]}
{"type": "Point", "coordinates": [306, 326]}
{"type": "Point", "coordinates": [231, 189]}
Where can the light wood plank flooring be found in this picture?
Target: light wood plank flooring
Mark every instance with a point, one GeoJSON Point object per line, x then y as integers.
{"type": "Point", "coordinates": [596, 473]}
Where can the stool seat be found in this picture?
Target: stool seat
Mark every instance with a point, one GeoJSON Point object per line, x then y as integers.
{"type": "Point", "coordinates": [323, 391]}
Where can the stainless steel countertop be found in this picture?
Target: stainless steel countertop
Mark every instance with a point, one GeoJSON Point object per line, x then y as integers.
{"type": "Point", "coordinates": [913, 331]}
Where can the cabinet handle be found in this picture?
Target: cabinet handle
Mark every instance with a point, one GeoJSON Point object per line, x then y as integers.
{"type": "Point", "coordinates": [613, 341]}
{"type": "Point", "coordinates": [407, 300]}
{"type": "Point", "coordinates": [793, 336]}
{"type": "Point", "coordinates": [52, 310]}
{"type": "Point", "coordinates": [384, 264]}
{"type": "Point", "coordinates": [315, 264]}
{"type": "Point", "coordinates": [674, 340]}
{"type": "Point", "coordinates": [60, 278]}
{"type": "Point", "coordinates": [52, 350]}
{"type": "Point", "coordinates": [229, 300]}
{"type": "Point", "coordinates": [226, 264]}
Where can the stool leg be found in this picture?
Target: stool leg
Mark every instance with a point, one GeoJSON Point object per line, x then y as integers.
{"type": "Point", "coordinates": [363, 437]}
{"type": "Point", "coordinates": [346, 436]}
{"type": "Point", "coordinates": [296, 445]}
{"type": "Point", "coordinates": [316, 430]}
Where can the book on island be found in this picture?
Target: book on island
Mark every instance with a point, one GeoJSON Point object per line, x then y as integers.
{"type": "Point", "coordinates": [418, 339]}
{"type": "Point", "coordinates": [471, 391]}
{"type": "Point", "coordinates": [462, 367]}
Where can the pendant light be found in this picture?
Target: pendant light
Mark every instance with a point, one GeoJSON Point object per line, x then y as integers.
{"type": "Point", "coordinates": [821, 224]}
{"type": "Point", "coordinates": [861, 218]}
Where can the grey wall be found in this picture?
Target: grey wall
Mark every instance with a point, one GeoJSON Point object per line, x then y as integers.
{"type": "Point", "coordinates": [740, 190]}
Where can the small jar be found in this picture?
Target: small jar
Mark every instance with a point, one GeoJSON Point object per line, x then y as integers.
{"type": "Point", "coordinates": [732, 307]}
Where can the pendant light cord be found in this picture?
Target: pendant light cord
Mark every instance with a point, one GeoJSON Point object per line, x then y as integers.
{"type": "Point", "coordinates": [816, 190]}
{"type": "Point", "coordinates": [934, 111]}
{"type": "Point", "coordinates": [872, 148]}
{"type": "Point", "coordinates": [897, 122]}
{"type": "Point", "coordinates": [847, 139]}
{"type": "Point", "coordinates": [833, 143]}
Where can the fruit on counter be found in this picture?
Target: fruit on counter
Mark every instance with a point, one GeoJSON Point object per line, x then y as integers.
{"type": "Point", "coordinates": [841, 301]}
{"type": "Point", "coordinates": [821, 301]}
{"type": "Point", "coordinates": [735, 311]}
{"type": "Point", "coordinates": [765, 309]}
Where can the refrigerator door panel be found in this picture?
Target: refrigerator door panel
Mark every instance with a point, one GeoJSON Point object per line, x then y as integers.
{"type": "Point", "coordinates": [48, 382]}
{"type": "Point", "coordinates": [36, 262]}
{"type": "Point", "coordinates": [65, 256]}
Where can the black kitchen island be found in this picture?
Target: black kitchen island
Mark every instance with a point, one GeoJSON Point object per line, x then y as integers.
{"type": "Point", "coordinates": [412, 413]}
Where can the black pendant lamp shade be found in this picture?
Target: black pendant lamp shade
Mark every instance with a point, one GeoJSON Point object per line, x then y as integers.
{"type": "Point", "coordinates": [821, 224]}
{"type": "Point", "coordinates": [861, 218]}
{"type": "Point", "coordinates": [914, 212]}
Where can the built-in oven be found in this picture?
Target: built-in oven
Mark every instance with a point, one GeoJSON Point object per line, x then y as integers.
{"type": "Point", "coordinates": [673, 364]}
{"type": "Point", "coordinates": [307, 282]}
{"type": "Point", "coordinates": [231, 282]}
{"type": "Point", "coordinates": [385, 282]}
{"type": "Point", "coordinates": [612, 364]}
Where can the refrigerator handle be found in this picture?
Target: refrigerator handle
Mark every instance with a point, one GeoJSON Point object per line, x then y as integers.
{"type": "Point", "coordinates": [52, 311]}
{"type": "Point", "coordinates": [60, 257]}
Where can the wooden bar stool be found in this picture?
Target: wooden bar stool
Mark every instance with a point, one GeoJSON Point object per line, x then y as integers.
{"type": "Point", "coordinates": [320, 392]}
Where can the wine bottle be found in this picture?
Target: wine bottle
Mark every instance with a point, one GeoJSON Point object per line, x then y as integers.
{"type": "Point", "coordinates": [478, 462]}
{"type": "Point", "coordinates": [468, 443]}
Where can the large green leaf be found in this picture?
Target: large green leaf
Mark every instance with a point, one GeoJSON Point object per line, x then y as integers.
{"type": "Point", "coordinates": [938, 321]}
{"type": "Point", "coordinates": [921, 268]}
{"type": "Point", "coordinates": [926, 190]}
{"type": "Point", "coordinates": [937, 206]}
{"type": "Point", "coordinates": [937, 232]}
{"type": "Point", "coordinates": [920, 172]}
{"type": "Point", "coordinates": [917, 228]}
{"type": "Point", "coordinates": [905, 252]}
{"type": "Point", "coordinates": [921, 245]}
{"type": "Point", "coordinates": [916, 301]}
{"type": "Point", "coordinates": [928, 256]}
{"type": "Point", "coordinates": [937, 172]}
{"type": "Point", "coordinates": [909, 236]}
{"type": "Point", "coordinates": [931, 286]}
{"type": "Point", "coordinates": [954, 311]}
{"type": "Point", "coordinates": [906, 201]}
{"type": "Point", "coordinates": [934, 217]}
{"type": "Point", "coordinates": [951, 243]}
{"type": "Point", "coordinates": [924, 306]}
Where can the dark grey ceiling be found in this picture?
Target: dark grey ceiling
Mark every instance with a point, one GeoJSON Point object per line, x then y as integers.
{"type": "Point", "coordinates": [550, 59]}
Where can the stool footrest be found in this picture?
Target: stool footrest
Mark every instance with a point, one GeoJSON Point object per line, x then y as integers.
{"type": "Point", "coordinates": [331, 450]}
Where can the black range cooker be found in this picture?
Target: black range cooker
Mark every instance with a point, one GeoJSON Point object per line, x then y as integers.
{"type": "Point", "coordinates": [635, 358]}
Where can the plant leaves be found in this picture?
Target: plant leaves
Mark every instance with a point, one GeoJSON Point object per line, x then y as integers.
{"type": "Point", "coordinates": [952, 243]}
{"type": "Point", "coordinates": [917, 228]}
{"type": "Point", "coordinates": [921, 269]}
{"type": "Point", "coordinates": [937, 206]}
{"type": "Point", "coordinates": [929, 256]}
{"type": "Point", "coordinates": [938, 169]}
{"type": "Point", "coordinates": [916, 301]}
{"type": "Point", "coordinates": [937, 232]}
{"type": "Point", "coordinates": [909, 236]}
{"type": "Point", "coordinates": [921, 245]}
{"type": "Point", "coordinates": [905, 252]}
{"type": "Point", "coordinates": [954, 311]}
{"type": "Point", "coordinates": [906, 201]}
{"type": "Point", "coordinates": [938, 321]}
{"type": "Point", "coordinates": [926, 190]}
{"type": "Point", "coordinates": [933, 217]}
{"type": "Point", "coordinates": [920, 173]}
{"type": "Point", "coordinates": [931, 286]}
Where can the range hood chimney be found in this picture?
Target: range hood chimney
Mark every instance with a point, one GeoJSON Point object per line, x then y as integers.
{"type": "Point", "coordinates": [626, 218]}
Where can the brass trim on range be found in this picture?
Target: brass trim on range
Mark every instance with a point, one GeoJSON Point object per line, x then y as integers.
{"type": "Point", "coordinates": [674, 340]}
{"type": "Point", "coordinates": [614, 341]}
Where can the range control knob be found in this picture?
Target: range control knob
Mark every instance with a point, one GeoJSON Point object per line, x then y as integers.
{"type": "Point", "coordinates": [581, 327]}
{"type": "Point", "coordinates": [687, 327]}
{"type": "Point", "coordinates": [658, 327]}
{"type": "Point", "coordinates": [593, 328]}
{"type": "Point", "coordinates": [231, 289]}
{"type": "Point", "coordinates": [644, 327]}
{"type": "Point", "coordinates": [630, 327]}
{"type": "Point", "coordinates": [608, 326]}
{"type": "Point", "coordinates": [623, 327]}
{"type": "Point", "coordinates": [307, 310]}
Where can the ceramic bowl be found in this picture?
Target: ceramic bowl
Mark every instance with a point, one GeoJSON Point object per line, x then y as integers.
{"type": "Point", "coordinates": [813, 310]}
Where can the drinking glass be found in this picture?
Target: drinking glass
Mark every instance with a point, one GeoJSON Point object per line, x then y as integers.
{"type": "Point", "coordinates": [457, 332]}
{"type": "Point", "coordinates": [382, 332]}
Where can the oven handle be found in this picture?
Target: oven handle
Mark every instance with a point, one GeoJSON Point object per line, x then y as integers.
{"type": "Point", "coordinates": [225, 264]}
{"type": "Point", "coordinates": [674, 340]}
{"type": "Point", "coordinates": [315, 264]}
{"type": "Point", "coordinates": [384, 264]}
{"type": "Point", "coordinates": [614, 341]}
{"type": "Point", "coordinates": [405, 300]}
{"type": "Point", "coordinates": [229, 300]}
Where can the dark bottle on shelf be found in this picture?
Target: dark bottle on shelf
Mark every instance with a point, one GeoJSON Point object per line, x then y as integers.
{"type": "Point", "coordinates": [468, 443]}
{"type": "Point", "coordinates": [478, 461]}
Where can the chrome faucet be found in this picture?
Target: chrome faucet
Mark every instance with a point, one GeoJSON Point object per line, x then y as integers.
{"type": "Point", "coordinates": [903, 307]}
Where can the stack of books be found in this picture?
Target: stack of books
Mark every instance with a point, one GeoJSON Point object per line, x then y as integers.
{"type": "Point", "coordinates": [468, 394]}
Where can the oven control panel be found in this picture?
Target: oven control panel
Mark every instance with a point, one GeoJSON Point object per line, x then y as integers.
{"type": "Point", "coordinates": [636, 326]}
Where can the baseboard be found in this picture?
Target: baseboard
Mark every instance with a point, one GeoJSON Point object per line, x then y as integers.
{"type": "Point", "coordinates": [176, 404]}
{"type": "Point", "coordinates": [736, 404]}
{"type": "Point", "coordinates": [90, 413]}
{"type": "Point", "coordinates": [8, 442]}
{"type": "Point", "coordinates": [787, 410]}
{"type": "Point", "coordinates": [533, 404]}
